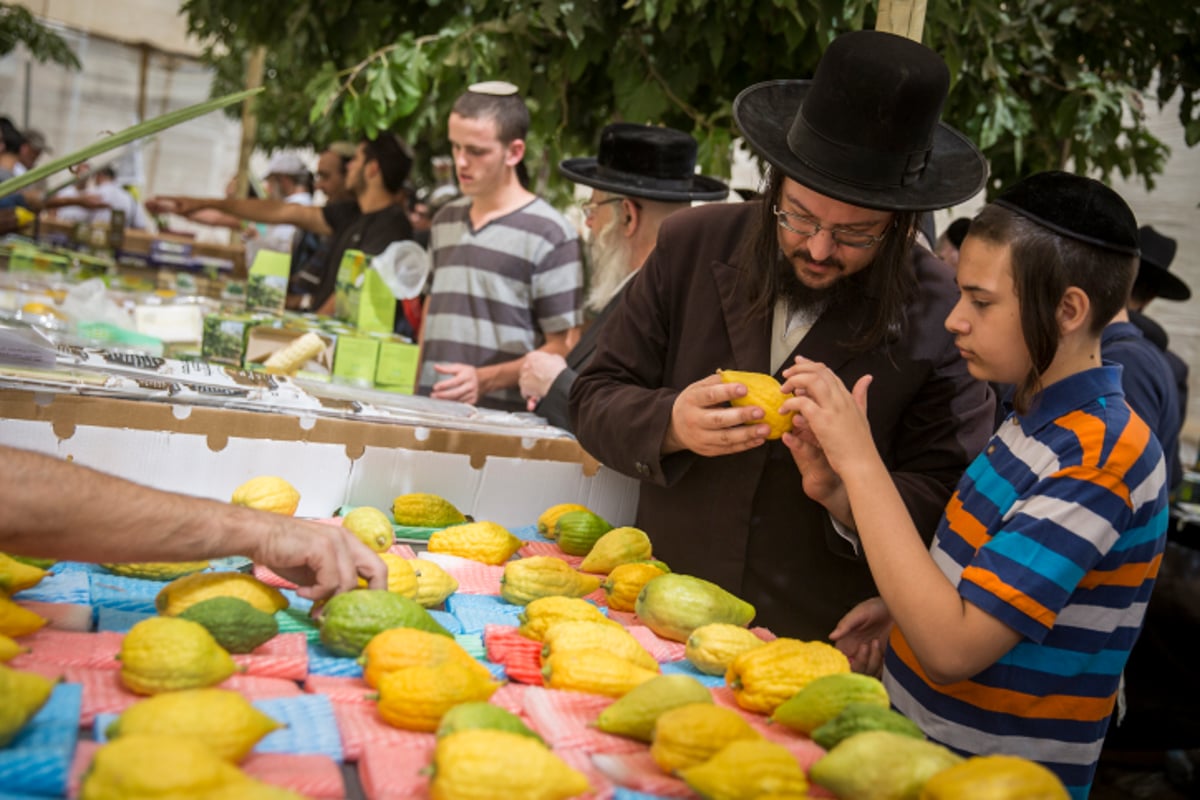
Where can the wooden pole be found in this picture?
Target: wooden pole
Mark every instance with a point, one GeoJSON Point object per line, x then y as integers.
{"type": "Point", "coordinates": [254, 77]}
{"type": "Point", "coordinates": [902, 17]}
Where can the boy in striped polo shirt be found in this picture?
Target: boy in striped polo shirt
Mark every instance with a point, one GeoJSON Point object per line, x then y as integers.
{"type": "Point", "coordinates": [507, 277]}
{"type": "Point", "coordinates": [1012, 630]}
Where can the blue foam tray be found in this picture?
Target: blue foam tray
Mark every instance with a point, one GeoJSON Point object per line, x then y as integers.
{"type": "Point", "coordinates": [117, 620]}
{"type": "Point", "coordinates": [474, 612]}
{"type": "Point", "coordinates": [60, 586]}
{"type": "Point", "coordinates": [311, 726]}
{"type": "Point", "coordinates": [684, 667]}
{"type": "Point", "coordinates": [124, 594]}
{"type": "Point", "coordinates": [448, 621]}
{"type": "Point", "coordinates": [38, 760]}
{"type": "Point", "coordinates": [323, 662]}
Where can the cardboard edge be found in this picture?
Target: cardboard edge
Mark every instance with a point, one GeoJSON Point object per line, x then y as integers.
{"type": "Point", "coordinates": [65, 413]}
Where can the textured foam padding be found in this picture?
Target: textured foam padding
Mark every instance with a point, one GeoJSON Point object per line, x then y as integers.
{"type": "Point", "coordinates": [38, 760]}
{"type": "Point", "coordinates": [117, 621]}
{"type": "Point", "coordinates": [447, 621]}
{"type": "Point", "coordinates": [292, 621]}
{"type": "Point", "coordinates": [323, 662]}
{"type": "Point", "coordinates": [125, 594]}
{"type": "Point", "coordinates": [283, 656]}
{"type": "Point", "coordinates": [565, 718]}
{"type": "Point", "coordinates": [475, 612]}
{"type": "Point", "coordinates": [311, 726]}
{"type": "Point", "coordinates": [315, 776]}
{"type": "Point", "coordinates": [638, 772]}
{"type": "Point", "coordinates": [60, 586]}
{"type": "Point", "coordinates": [686, 668]}
{"type": "Point", "coordinates": [392, 773]}
{"type": "Point", "coordinates": [361, 728]}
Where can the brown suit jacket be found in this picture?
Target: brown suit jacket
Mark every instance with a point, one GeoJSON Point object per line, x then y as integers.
{"type": "Point", "coordinates": [743, 520]}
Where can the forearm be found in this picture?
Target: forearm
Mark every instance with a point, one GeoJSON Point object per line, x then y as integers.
{"type": "Point", "coordinates": [273, 212]}
{"type": "Point", "coordinates": [110, 519]}
{"type": "Point", "coordinates": [950, 638]}
{"type": "Point", "coordinates": [495, 377]}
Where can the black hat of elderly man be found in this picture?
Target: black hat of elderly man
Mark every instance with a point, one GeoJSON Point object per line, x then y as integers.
{"type": "Point", "coordinates": [865, 130]}
{"type": "Point", "coordinates": [1158, 251]}
{"type": "Point", "coordinates": [645, 161]}
{"type": "Point", "coordinates": [1076, 207]}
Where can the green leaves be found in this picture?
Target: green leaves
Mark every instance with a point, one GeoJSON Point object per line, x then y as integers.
{"type": "Point", "coordinates": [1035, 82]}
{"type": "Point", "coordinates": [132, 133]}
{"type": "Point", "coordinates": [18, 26]}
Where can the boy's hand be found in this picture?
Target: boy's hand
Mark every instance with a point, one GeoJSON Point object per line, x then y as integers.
{"type": "Point", "coordinates": [834, 419]}
{"type": "Point", "coordinates": [862, 635]}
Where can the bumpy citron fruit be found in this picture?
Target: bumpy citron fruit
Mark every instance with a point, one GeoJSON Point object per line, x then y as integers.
{"type": "Point", "coordinates": [268, 493]}
{"type": "Point", "coordinates": [222, 719]}
{"type": "Point", "coordinates": [371, 527]}
{"type": "Point", "coordinates": [164, 654]}
{"type": "Point", "coordinates": [16, 576]}
{"type": "Point", "coordinates": [22, 694]}
{"type": "Point", "coordinates": [765, 392]}
{"type": "Point", "coordinates": [183, 593]}
{"type": "Point", "coordinates": [16, 620]}
{"type": "Point", "coordinates": [157, 570]}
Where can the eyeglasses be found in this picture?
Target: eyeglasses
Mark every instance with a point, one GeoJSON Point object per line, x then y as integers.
{"type": "Point", "coordinates": [807, 226]}
{"type": "Point", "coordinates": [589, 208]}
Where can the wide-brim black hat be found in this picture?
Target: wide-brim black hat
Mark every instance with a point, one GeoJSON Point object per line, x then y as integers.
{"type": "Point", "coordinates": [866, 130]}
{"type": "Point", "coordinates": [645, 161]}
{"type": "Point", "coordinates": [1158, 251]}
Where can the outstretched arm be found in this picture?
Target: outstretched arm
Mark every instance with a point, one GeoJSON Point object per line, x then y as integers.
{"type": "Point", "coordinates": [272, 212]}
{"type": "Point", "coordinates": [111, 519]}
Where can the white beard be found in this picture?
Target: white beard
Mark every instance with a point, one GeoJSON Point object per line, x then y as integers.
{"type": "Point", "coordinates": [609, 254]}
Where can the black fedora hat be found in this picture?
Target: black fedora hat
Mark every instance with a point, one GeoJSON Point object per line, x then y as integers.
{"type": "Point", "coordinates": [645, 161]}
{"type": "Point", "coordinates": [865, 130]}
{"type": "Point", "coordinates": [1158, 251]}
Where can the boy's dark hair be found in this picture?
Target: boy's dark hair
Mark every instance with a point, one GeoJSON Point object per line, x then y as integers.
{"type": "Point", "coordinates": [393, 156]}
{"type": "Point", "coordinates": [1044, 265]}
{"type": "Point", "coordinates": [509, 112]}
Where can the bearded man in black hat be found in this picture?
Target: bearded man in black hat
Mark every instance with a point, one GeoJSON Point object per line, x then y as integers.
{"type": "Point", "coordinates": [822, 267]}
{"type": "Point", "coordinates": [642, 175]}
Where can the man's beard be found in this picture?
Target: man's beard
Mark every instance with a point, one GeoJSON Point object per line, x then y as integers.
{"type": "Point", "coordinates": [799, 296]}
{"type": "Point", "coordinates": [609, 254]}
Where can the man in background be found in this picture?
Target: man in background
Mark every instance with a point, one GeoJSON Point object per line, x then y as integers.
{"type": "Point", "coordinates": [285, 181]}
{"type": "Point", "coordinates": [117, 198]}
{"type": "Point", "coordinates": [1155, 279]}
{"type": "Point", "coordinates": [642, 175]}
{"type": "Point", "coordinates": [377, 217]}
{"type": "Point", "coordinates": [507, 279]}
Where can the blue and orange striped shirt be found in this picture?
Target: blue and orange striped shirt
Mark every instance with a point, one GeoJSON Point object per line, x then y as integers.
{"type": "Point", "coordinates": [1056, 529]}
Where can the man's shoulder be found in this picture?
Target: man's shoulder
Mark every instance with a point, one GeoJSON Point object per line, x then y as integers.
{"type": "Point", "coordinates": [719, 228]}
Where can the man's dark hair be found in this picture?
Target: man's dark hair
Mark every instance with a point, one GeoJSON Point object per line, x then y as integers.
{"type": "Point", "coordinates": [1044, 265]}
{"type": "Point", "coordinates": [957, 231]}
{"type": "Point", "coordinates": [393, 156]}
{"type": "Point", "coordinates": [509, 112]}
{"type": "Point", "coordinates": [13, 139]}
{"type": "Point", "coordinates": [888, 282]}
{"type": "Point", "coordinates": [107, 172]}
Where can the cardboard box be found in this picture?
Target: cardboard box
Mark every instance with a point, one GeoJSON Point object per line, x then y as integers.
{"type": "Point", "coordinates": [355, 359]}
{"type": "Point", "coordinates": [264, 340]}
{"type": "Point", "coordinates": [397, 366]}
{"type": "Point", "coordinates": [224, 337]}
{"type": "Point", "coordinates": [361, 297]}
{"type": "Point", "coordinates": [267, 284]}
{"type": "Point", "coordinates": [208, 451]}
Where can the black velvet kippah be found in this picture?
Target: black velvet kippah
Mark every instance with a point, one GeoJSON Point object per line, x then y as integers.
{"type": "Point", "coordinates": [1077, 207]}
